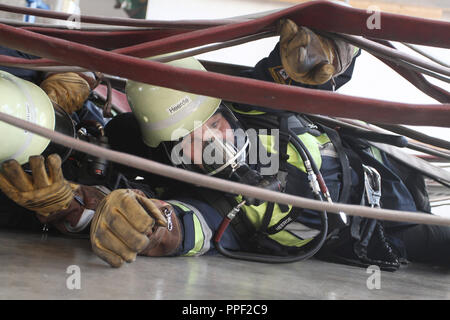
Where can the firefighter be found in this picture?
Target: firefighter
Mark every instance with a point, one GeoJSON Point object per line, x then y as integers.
{"type": "Point", "coordinates": [128, 221]}
{"type": "Point", "coordinates": [189, 214]}
{"type": "Point", "coordinates": [191, 126]}
{"type": "Point", "coordinates": [209, 136]}
{"type": "Point", "coordinates": [35, 186]}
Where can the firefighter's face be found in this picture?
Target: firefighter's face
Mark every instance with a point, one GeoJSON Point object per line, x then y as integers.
{"type": "Point", "coordinates": [218, 144]}
{"type": "Point", "coordinates": [216, 130]}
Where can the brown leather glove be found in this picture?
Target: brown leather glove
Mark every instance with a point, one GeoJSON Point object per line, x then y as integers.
{"type": "Point", "coordinates": [310, 58]}
{"type": "Point", "coordinates": [126, 223]}
{"type": "Point", "coordinates": [41, 192]}
{"type": "Point", "coordinates": [69, 90]}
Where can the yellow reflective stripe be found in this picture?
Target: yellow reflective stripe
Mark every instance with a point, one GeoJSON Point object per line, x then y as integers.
{"type": "Point", "coordinates": [250, 113]}
{"type": "Point", "coordinates": [256, 213]}
{"type": "Point", "coordinates": [181, 206]}
{"type": "Point", "coordinates": [288, 239]}
{"type": "Point", "coordinates": [312, 144]}
{"type": "Point", "coordinates": [294, 158]}
{"type": "Point", "coordinates": [199, 238]}
{"type": "Point", "coordinates": [200, 229]}
{"type": "Point", "coordinates": [202, 232]}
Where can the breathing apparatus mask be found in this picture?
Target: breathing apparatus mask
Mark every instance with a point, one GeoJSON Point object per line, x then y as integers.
{"type": "Point", "coordinates": [219, 147]}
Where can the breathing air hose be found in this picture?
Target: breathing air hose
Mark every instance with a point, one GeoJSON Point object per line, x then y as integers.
{"type": "Point", "coordinates": [317, 185]}
{"type": "Point", "coordinates": [268, 258]}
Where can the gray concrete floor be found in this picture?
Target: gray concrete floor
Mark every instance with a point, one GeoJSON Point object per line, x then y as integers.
{"type": "Point", "coordinates": [33, 267]}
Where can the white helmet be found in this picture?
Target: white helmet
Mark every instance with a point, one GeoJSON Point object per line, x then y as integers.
{"type": "Point", "coordinates": [26, 101]}
{"type": "Point", "coordinates": [166, 114]}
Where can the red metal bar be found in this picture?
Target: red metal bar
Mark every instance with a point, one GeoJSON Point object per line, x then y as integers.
{"type": "Point", "coordinates": [251, 91]}
{"type": "Point", "coordinates": [322, 15]}
{"type": "Point", "coordinates": [108, 40]}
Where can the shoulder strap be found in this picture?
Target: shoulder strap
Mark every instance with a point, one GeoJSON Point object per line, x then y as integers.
{"type": "Point", "coordinates": [284, 141]}
{"type": "Point", "coordinates": [344, 195]}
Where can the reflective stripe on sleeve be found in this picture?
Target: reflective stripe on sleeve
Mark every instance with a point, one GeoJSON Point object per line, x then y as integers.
{"type": "Point", "coordinates": [203, 233]}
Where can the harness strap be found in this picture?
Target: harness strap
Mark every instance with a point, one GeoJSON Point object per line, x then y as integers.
{"type": "Point", "coordinates": [267, 217]}
{"type": "Point", "coordinates": [344, 195]}
{"type": "Point", "coordinates": [284, 141]}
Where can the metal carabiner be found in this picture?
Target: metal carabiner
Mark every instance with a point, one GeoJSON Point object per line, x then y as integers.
{"type": "Point", "coordinates": [168, 214]}
{"type": "Point", "coordinates": [372, 186]}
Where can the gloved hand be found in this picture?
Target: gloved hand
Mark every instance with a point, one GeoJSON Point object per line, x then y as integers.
{"type": "Point", "coordinates": [127, 223]}
{"type": "Point", "coordinates": [41, 192]}
{"type": "Point", "coordinates": [69, 90]}
{"type": "Point", "coordinates": [310, 58]}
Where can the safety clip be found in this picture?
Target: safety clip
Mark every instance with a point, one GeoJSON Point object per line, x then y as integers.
{"type": "Point", "coordinates": [372, 183]}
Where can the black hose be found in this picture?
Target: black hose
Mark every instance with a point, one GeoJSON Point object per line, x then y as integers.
{"type": "Point", "coordinates": [321, 238]}
{"type": "Point", "coordinates": [248, 256]}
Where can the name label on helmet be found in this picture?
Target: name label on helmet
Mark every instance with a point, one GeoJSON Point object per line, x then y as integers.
{"type": "Point", "coordinates": [179, 105]}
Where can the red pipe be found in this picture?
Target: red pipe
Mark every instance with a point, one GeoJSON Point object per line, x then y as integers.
{"type": "Point", "coordinates": [253, 92]}
{"type": "Point", "coordinates": [108, 40]}
{"type": "Point", "coordinates": [323, 15]}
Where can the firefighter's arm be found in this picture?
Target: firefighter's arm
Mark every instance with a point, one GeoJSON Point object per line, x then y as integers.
{"type": "Point", "coordinates": [127, 223]}
{"type": "Point", "coordinates": [69, 90]}
{"type": "Point", "coordinates": [67, 206]}
{"type": "Point", "coordinates": [310, 58]}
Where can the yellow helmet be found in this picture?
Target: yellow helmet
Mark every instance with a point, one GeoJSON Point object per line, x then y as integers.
{"type": "Point", "coordinates": [166, 114]}
{"type": "Point", "coordinates": [24, 100]}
